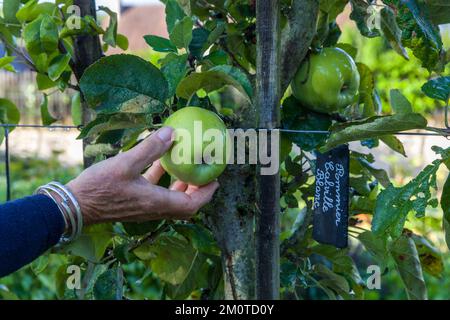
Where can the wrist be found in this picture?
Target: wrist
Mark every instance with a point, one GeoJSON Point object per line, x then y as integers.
{"type": "Point", "coordinates": [88, 217]}
{"type": "Point", "coordinates": [69, 208]}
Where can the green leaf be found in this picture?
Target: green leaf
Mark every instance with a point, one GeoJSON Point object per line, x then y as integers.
{"type": "Point", "coordinates": [376, 246]}
{"type": "Point", "coordinates": [392, 32]}
{"type": "Point", "coordinates": [92, 244]}
{"type": "Point", "coordinates": [237, 75]}
{"type": "Point", "coordinates": [110, 34]}
{"type": "Point", "coordinates": [209, 81]}
{"type": "Point", "coordinates": [394, 204]}
{"type": "Point", "coordinates": [394, 143]}
{"type": "Point", "coordinates": [47, 118]}
{"type": "Point", "coordinates": [26, 12]}
{"type": "Point", "coordinates": [439, 11]}
{"type": "Point", "coordinates": [430, 257]}
{"type": "Point", "coordinates": [373, 127]}
{"type": "Point", "coordinates": [438, 88]}
{"type": "Point", "coordinates": [109, 285]}
{"type": "Point", "coordinates": [331, 280]}
{"type": "Point", "coordinates": [5, 294]}
{"type": "Point", "coordinates": [100, 149]}
{"type": "Point", "coordinates": [332, 7]}
{"type": "Point", "coordinates": [174, 71]}
{"type": "Point", "coordinates": [366, 91]}
{"type": "Point", "coordinates": [122, 41]}
{"type": "Point", "coordinates": [199, 39]}
{"type": "Point", "coordinates": [407, 262]}
{"type": "Point", "coordinates": [41, 35]}
{"type": "Point", "coordinates": [40, 264]}
{"type": "Point", "coordinates": [399, 103]}
{"type": "Point", "coordinates": [9, 113]}
{"type": "Point", "coordinates": [195, 279]}
{"type": "Point", "coordinates": [379, 174]}
{"type": "Point", "coordinates": [160, 44]}
{"type": "Point", "coordinates": [201, 238]}
{"type": "Point", "coordinates": [418, 32]}
{"type": "Point", "coordinates": [364, 16]}
{"type": "Point", "coordinates": [140, 228]}
{"type": "Point", "coordinates": [10, 8]}
{"type": "Point", "coordinates": [44, 82]}
{"type": "Point", "coordinates": [76, 109]}
{"type": "Point", "coordinates": [173, 259]}
{"type": "Point", "coordinates": [181, 34]}
{"type": "Point", "coordinates": [295, 117]}
{"type": "Point", "coordinates": [57, 66]}
{"type": "Point", "coordinates": [5, 63]}
{"type": "Point", "coordinates": [174, 13]}
{"type": "Point", "coordinates": [445, 205]}
{"type": "Point", "coordinates": [124, 83]}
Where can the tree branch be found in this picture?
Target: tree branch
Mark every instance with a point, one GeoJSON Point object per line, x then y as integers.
{"type": "Point", "coordinates": [296, 38]}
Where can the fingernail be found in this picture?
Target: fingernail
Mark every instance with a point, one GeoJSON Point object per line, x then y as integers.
{"type": "Point", "coordinates": [165, 134]}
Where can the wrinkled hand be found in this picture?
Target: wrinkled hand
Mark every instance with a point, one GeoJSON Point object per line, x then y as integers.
{"type": "Point", "coordinates": [115, 189]}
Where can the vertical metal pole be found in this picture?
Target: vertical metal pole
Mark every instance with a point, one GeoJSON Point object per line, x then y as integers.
{"type": "Point", "coordinates": [8, 178]}
{"type": "Point", "coordinates": [268, 99]}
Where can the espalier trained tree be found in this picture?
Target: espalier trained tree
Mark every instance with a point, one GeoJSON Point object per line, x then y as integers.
{"type": "Point", "coordinates": [212, 45]}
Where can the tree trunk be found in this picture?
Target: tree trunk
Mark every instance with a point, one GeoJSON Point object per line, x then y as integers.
{"type": "Point", "coordinates": [268, 104]}
{"type": "Point", "coordinates": [87, 50]}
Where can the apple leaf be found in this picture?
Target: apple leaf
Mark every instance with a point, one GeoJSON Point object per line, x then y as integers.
{"type": "Point", "coordinates": [332, 7]}
{"type": "Point", "coordinates": [174, 13]}
{"type": "Point", "coordinates": [445, 205]}
{"type": "Point", "coordinates": [173, 259]}
{"type": "Point", "coordinates": [47, 118]}
{"type": "Point", "coordinates": [439, 11]}
{"type": "Point", "coordinates": [92, 244]}
{"type": "Point", "coordinates": [124, 83]}
{"type": "Point", "coordinates": [407, 262]}
{"type": "Point", "coordinates": [160, 44]}
{"type": "Point", "coordinates": [399, 103]}
{"type": "Point", "coordinates": [373, 127]}
{"type": "Point", "coordinates": [430, 257]}
{"type": "Point", "coordinates": [438, 88]}
{"type": "Point", "coordinates": [110, 34]}
{"type": "Point", "coordinates": [57, 66]}
{"type": "Point", "coordinates": [376, 246]}
{"type": "Point", "coordinates": [41, 35]}
{"type": "Point", "coordinates": [181, 34]}
{"type": "Point", "coordinates": [199, 39]}
{"type": "Point", "coordinates": [212, 80]}
{"type": "Point", "coordinates": [10, 8]}
{"type": "Point", "coordinates": [174, 70]}
{"type": "Point", "coordinates": [394, 143]}
{"type": "Point", "coordinates": [109, 285]}
{"type": "Point", "coordinates": [418, 32]}
{"type": "Point", "coordinates": [295, 117]}
{"type": "Point", "coordinates": [392, 32]}
{"type": "Point", "coordinates": [9, 113]}
{"type": "Point", "coordinates": [364, 16]}
{"type": "Point", "coordinates": [394, 203]}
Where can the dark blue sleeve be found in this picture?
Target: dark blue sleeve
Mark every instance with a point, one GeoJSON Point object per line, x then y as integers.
{"type": "Point", "coordinates": [28, 227]}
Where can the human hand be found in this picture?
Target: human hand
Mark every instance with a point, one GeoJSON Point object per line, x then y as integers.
{"type": "Point", "coordinates": [115, 189]}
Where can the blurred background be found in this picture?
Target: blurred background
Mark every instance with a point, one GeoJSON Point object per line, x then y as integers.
{"type": "Point", "coordinates": [41, 155]}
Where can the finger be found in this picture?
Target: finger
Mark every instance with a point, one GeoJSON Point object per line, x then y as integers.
{"type": "Point", "coordinates": [149, 150]}
{"type": "Point", "coordinates": [154, 173]}
{"type": "Point", "coordinates": [178, 186]}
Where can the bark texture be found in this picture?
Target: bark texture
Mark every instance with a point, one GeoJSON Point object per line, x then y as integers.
{"type": "Point", "coordinates": [87, 50]}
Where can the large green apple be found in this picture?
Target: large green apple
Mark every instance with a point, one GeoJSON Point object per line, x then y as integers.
{"type": "Point", "coordinates": [327, 82]}
{"type": "Point", "coordinates": [199, 152]}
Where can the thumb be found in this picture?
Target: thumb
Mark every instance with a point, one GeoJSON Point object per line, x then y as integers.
{"type": "Point", "coordinates": [149, 150]}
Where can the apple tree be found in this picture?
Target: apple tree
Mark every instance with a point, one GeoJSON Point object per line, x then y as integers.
{"type": "Point", "coordinates": [238, 59]}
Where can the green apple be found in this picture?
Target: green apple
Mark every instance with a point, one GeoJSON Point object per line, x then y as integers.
{"type": "Point", "coordinates": [199, 152]}
{"type": "Point", "coordinates": [327, 82]}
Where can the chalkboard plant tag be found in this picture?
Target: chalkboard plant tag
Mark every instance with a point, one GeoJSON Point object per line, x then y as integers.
{"type": "Point", "coordinates": [330, 222]}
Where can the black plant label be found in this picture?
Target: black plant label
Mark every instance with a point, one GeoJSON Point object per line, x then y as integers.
{"type": "Point", "coordinates": [330, 222]}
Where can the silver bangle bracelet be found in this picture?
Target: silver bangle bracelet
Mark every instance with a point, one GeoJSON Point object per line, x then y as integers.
{"type": "Point", "coordinates": [69, 207]}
